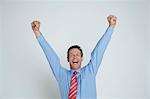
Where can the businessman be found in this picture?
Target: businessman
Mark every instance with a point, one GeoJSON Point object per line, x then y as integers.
{"type": "Point", "coordinates": [78, 82]}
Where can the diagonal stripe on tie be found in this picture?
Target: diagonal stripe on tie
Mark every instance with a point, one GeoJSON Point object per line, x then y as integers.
{"type": "Point", "coordinates": [72, 85]}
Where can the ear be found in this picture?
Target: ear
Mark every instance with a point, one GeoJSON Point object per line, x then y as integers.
{"type": "Point", "coordinates": [67, 58]}
{"type": "Point", "coordinates": [81, 59]}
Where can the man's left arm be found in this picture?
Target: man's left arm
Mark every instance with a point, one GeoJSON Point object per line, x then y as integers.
{"type": "Point", "coordinates": [98, 52]}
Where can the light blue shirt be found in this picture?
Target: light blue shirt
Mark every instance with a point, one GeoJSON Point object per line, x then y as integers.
{"type": "Point", "coordinates": [86, 75]}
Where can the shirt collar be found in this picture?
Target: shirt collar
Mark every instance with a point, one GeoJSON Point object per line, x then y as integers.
{"type": "Point", "coordinates": [78, 71]}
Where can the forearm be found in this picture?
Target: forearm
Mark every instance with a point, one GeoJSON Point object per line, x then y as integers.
{"type": "Point", "coordinates": [100, 48]}
{"type": "Point", "coordinates": [50, 54]}
{"type": "Point", "coordinates": [98, 52]}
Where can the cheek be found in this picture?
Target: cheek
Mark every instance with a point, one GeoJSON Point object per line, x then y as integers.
{"type": "Point", "coordinates": [80, 58]}
{"type": "Point", "coordinates": [70, 59]}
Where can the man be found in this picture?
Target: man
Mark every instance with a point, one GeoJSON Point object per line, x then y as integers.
{"type": "Point", "coordinates": [76, 83]}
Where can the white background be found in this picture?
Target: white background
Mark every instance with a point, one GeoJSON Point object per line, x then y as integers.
{"type": "Point", "coordinates": [24, 70]}
{"type": "Point", "coordinates": [149, 48]}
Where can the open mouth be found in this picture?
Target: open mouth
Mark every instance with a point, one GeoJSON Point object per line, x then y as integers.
{"type": "Point", "coordinates": [75, 62]}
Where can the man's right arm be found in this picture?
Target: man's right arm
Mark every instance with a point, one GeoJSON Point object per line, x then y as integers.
{"type": "Point", "coordinates": [50, 54]}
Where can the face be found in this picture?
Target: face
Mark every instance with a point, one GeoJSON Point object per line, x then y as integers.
{"type": "Point", "coordinates": [75, 58]}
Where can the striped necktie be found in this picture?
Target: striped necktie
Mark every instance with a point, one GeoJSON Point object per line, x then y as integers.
{"type": "Point", "coordinates": [73, 86]}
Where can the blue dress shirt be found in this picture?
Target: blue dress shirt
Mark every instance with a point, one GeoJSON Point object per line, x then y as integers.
{"type": "Point", "coordinates": [86, 75]}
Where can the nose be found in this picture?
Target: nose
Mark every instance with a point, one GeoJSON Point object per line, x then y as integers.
{"type": "Point", "coordinates": [74, 56]}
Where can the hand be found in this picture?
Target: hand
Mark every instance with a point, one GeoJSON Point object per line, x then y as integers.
{"type": "Point", "coordinates": [36, 27]}
{"type": "Point", "coordinates": [112, 20]}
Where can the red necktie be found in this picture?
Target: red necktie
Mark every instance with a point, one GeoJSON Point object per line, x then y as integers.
{"type": "Point", "coordinates": [73, 86]}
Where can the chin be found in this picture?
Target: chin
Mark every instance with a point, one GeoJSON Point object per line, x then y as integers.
{"type": "Point", "coordinates": [76, 68]}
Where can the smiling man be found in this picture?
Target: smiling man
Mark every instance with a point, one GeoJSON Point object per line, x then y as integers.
{"type": "Point", "coordinates": [76, 83]}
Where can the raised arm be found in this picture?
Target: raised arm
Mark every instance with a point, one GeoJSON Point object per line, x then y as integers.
{"type": "Point", "coordinates": [98, 52]}
{"type": "Point", "coordinates": [50, 54]}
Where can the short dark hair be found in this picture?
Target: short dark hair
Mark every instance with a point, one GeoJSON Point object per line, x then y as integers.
{"type": "Point", "coordinates": [74, 46]}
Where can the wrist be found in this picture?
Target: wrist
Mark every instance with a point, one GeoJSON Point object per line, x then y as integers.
{"type": "Point", "coordinates": [112, 26]}
{"type": "Point", "coordinates": [37, 33]}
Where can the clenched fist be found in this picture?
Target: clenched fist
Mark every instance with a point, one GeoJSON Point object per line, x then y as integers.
{"type": "Point", "coordinates": [36, 28]}
{"type": "Point", "coordinates": [112, 20]}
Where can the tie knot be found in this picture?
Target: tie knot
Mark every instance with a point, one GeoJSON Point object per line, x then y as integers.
{"type": "Point", "coordinates": [75, 72]}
